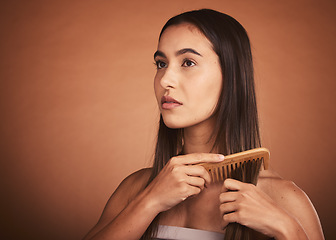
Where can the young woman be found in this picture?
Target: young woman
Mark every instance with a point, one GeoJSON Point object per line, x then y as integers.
{"type": "Point", "coordinates": [205, 91]}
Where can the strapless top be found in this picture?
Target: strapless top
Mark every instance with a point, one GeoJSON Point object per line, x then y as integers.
{"type": "Point", "coordinates": [181, 233]}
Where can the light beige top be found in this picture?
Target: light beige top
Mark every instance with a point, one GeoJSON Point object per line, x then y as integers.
{"type": "Point", "coordinates": [181, 233]}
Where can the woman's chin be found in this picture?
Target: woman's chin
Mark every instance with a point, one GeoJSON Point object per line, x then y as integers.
{"type": "Point", "coordinates": [176, 124]}
{"type": "Point", "coordinates": [173, 125]}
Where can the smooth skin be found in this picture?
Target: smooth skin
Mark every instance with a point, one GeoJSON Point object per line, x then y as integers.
{"type": "Point", "coordinates": [182, 192]}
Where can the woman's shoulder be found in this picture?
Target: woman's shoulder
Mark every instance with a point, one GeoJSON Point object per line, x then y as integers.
{"type": "Point", "coordinates": [287, 195]}
{"type": "Point", "coordinates": [125, 192]}
{"type": "Point", "coordinates": [138, 176]}
{"type": "Point", "coordinates": [134, 183]}
{"type": "Point", "coordinates": [279, 189]}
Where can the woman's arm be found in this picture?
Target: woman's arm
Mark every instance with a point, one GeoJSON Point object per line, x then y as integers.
{"type": "Point", "coordinates": [301, 210]}
{"type": "Point", "coordinates": [132, 207]}
{"type": "Point", "coordinates": [127, 214]}
{"type": "Point", "coordinates": [287, 214]}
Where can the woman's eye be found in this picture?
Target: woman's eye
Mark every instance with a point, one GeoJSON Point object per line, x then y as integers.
{"type": "Point", "coordinates": [188, 63]}
{"type": "Point", "coordinates": [160, 64]}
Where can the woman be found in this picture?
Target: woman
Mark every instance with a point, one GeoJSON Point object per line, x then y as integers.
{"type": "Point", "coordinates": [205, 91]}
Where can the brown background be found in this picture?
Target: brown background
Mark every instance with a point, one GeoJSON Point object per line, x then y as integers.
{"type": "Point", "coordinates": [78, 112]}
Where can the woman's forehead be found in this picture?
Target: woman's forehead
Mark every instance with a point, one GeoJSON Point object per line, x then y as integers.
{"type": "Point", "coordinates": [183, 36]}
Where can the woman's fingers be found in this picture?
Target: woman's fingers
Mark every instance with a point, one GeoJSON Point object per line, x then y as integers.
{"type": "Point", "coordinates": [228, 202]}
{"type": "Point", "coordinates": [196, 182]}
{"type": "Point", "coordinates": [228, 207]}
{"type": "Point", "coordinates": [197, 171]}
{"type": "Point", "coordinates": [182, 178]}
{"type": "Point", "coordinates": [187, 163]}
{"type": "Point", "coordinates": [233, 185]}
{"type": "Point", "coordinates": [230, 217]}
{"type": "Point", "coordinates": [195, 158]}
{"type": "Point", "coordinates": [228, 197]}
{"type": "Point", "coordinates": [189, 190]}
{"type": "Point", "coordinates": [245, 204]}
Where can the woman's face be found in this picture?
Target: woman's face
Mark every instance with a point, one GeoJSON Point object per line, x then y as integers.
{"type": "Point", "coordinates": [188, 81]}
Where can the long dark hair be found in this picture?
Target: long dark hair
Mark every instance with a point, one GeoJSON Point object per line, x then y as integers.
{"type": "Point", "coordinates": [236, 128]}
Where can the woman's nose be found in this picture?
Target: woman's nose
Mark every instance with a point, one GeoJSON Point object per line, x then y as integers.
{"type": "Point", "coordinates": [169, 78]}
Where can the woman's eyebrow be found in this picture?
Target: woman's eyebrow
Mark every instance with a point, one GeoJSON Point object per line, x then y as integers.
{"type": "Point", "coordinates": [187, 50]}
{"type": "Point", "coordinates": [160, 54]}
{"type": "Point", "coordinates": [178, 53]}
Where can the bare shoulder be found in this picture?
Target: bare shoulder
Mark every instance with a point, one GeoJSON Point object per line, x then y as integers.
{"type": "Point", "coordinates": [284, 192]}
{"type": "Point", "coordinates": [131, 186]}
{"type": "Point", "coordinates": [135, 182]}
{"type": "Point", "coordinates": [125, 192]}
{"type": "Point", "coordinates": [287, 195]}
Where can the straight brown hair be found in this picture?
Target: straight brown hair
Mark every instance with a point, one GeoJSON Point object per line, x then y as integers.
{"type": "Point", "coordinates": [237, 127]}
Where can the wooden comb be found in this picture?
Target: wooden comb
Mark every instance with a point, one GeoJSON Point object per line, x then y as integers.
{"type": "Point", "coordinates": [222, 170]}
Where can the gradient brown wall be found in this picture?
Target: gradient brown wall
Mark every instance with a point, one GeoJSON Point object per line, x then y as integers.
{"type": "Point", "coordinates": [78, 113]}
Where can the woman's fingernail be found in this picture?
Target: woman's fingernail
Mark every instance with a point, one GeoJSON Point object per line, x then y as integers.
{"type": "Point", "coordinates": [220, 157]}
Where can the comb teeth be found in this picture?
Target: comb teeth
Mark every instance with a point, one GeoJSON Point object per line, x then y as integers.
{"type": "Point", "coordinates": [220, 173]}
{"type": "Point", "coordinates": [236, 165]}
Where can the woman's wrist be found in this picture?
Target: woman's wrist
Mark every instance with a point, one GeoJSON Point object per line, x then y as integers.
{"type": "Point", "coordinates": [146, 201]}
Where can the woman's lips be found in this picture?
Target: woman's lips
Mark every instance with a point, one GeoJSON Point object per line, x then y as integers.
{"type": "Point", "coordinates": [168, 102]}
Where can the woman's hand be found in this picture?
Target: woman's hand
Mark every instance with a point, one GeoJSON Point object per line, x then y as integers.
{"type": "Point", "coordinates": [248, 205]}
{"type": "Point", "coordinates": [180, 179]}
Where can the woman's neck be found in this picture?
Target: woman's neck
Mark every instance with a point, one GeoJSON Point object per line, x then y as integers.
{"type": "Point", "coordinates": [198, 138]}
